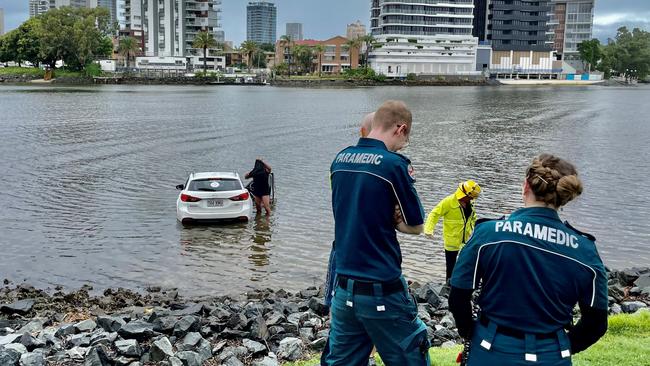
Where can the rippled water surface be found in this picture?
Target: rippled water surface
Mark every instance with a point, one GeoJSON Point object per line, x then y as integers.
{"type": "Point", "coordinates": [87, 175]}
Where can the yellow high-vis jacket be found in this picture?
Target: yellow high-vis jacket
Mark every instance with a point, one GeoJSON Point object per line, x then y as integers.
{"type": "Point", "coordinates": [456, 228]}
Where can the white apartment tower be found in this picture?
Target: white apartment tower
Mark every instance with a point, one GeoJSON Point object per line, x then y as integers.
{"type": "Point", "coordinates": [423, 37]}
{"type": "Point", "coordinates": [171, 25]}
{"type": "Point", "coordinates": [38, 7]}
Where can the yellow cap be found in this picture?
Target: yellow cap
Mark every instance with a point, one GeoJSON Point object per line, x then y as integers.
{"type": "Point", "coordinates": [468, 188]}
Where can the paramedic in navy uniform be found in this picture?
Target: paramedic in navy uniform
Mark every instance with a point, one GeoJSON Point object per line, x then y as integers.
{"type": "Point", "coordinates": [533, 269]}
{"type": "Point", "coordinates": [371, 303]}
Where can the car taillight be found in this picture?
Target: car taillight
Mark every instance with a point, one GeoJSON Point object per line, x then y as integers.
{"type": "Point", "coordinates": [188, 198]}
{"type": "Point", "coordinates": [242, 197]}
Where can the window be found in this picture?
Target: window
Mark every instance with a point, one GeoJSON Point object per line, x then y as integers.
{"type": "Point", "coordinates": [214, 185]}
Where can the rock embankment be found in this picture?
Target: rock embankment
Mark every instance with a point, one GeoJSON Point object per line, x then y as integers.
{"type": "Point", "coordinates": [159, 327]}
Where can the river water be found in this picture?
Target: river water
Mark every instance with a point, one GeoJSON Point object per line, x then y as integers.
{"type": "Point", "coordinates": [87, 175]}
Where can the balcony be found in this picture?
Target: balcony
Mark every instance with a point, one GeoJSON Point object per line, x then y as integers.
{"type": "Point", "coordinates": [524, 18]}
{"type": "Point", "coordinates": [519, 27]}
{"type": "Point", "coordinates": [429, 2]}
{"type": "Point", "coordinates": [521, 7]}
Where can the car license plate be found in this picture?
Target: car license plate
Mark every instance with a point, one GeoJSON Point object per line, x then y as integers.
{"type": "Point", "coordinates": [215, 203]}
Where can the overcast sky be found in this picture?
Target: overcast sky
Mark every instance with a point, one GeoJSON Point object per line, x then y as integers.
{"type": "Point", "coordinates": [326, 18]}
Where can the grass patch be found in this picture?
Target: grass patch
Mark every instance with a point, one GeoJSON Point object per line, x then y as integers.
{"type": "Point", "coordinates": [39, 73]}
{"type": "Point", "coordinates": [20, 71]}
{"type": "Point", "coordinates": [627, 343]}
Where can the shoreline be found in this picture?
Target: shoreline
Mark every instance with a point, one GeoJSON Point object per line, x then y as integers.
{"type": "Point", "coordinates": [158, 326]}
{"type": "Point", "coordinates": [324, 83]}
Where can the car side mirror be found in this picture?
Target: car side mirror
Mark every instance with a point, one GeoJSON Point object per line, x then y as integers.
{"type": "Point", "coordinates": [180, 187]}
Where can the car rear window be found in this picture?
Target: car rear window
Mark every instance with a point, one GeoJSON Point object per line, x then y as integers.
{"type": "Point", "coordinates": [215, 185]}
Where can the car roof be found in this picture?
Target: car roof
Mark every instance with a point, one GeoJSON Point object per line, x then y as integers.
{"type": "Point", "coordinates": [207, 175]}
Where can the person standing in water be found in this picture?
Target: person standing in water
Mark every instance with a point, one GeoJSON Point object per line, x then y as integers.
{"type": "Point", "coordinates": [261, 188]}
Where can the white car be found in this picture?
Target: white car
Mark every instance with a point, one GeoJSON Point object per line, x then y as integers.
{"type": "Point", "coordinates": [213, 196]}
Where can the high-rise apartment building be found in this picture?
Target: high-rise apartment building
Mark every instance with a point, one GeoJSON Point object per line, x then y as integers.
{"type": "Point", "coordinates": [111, 5]}
{"type": "Point", "coordinates": [571, 22]}
{"type": "Point", "coordinates": [2, 21]}
{"type": "Point", "coordinates": [425, 37]}
{"type": "Point", "coordinates": [294, 31]}
{"type": "Point", "coordinates": [519, 25]}
{"type": "Point", "coordinates": [355, 30]}
{"type": "Point", "coordinates": [73, 3]}
{"type": "Point", "coordinates": [171, 25]}
{"type": "Point", "coordinates": [519, 35]}
{"type": "Point", "coordinates": [261, 22]}
{"type": "Point", "coordinates": [38, 7]}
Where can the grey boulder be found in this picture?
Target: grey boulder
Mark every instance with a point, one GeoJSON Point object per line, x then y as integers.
{"type": "Point", "coordinates": [32, 359]}
{"type": "Point", "coordinates": [87, 325]}
{"type": "Point", "coordinates": [189, 358]}
{"type": "Point", "coordinates": [254, 347]}
{"type": "Point", "coordinates": [138, 329]}
{"type": "Point", "coordinates": [290, 349]}
{"type": "Point", "coordinates": [128, 347]}
{"type": "Point", "coordinates": [161, 349]}
{"type": "Point", "coordinates": [110, 323]}
{"type": "Point", "coordinates": [632, 306]}
{"type": "Point", "coordinates": [9, 357]}
{"type": "Point", "coordinates": [21, 307]}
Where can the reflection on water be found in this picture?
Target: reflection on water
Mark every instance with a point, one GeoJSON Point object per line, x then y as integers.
{"type": "Point", "coordinates": [259, 252]}
{"type": "Point", "coordinates": [89, 175]}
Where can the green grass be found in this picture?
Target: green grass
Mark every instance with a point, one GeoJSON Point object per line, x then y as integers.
{"type": "Point", "coordinates": [627, 343]}
{"type": "Point", "coordinates": [32, 71]}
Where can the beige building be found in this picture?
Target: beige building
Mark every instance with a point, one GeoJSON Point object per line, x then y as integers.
{"type": "Point", "coordinates": [356, 30]}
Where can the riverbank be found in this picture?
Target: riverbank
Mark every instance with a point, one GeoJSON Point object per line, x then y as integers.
{"type": "Point", "coordinates": [23, 75]}
{"type": "Point", "coordinates": [261, 328]}
{"type": "Point", "coordinates": [339, 82]}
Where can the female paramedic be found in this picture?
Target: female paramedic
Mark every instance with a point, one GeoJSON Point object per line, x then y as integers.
{"type": "Point", "coordinates": [532, 269]}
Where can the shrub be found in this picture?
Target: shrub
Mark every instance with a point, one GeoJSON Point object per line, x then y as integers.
{"type": "Point", "coordinates": [92, 70]}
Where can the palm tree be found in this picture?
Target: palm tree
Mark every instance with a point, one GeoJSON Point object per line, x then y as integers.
{"type": "Point", "coordinates": [319, 49]}
{"type": "Point", "coordinates": [369, 42]}
{"type": "Point", "coordinates": [204, 40]}
{"type": "Point", "coordinates": [303, 56]}
{"type": "Point", "coordinates": [350, 45]}
{"type": "Point", "coordinates": [286, 40]}
{"type": "Point", "coordinates": [249, 48]}
{"type": "Point", "coordinates": [128, 46]}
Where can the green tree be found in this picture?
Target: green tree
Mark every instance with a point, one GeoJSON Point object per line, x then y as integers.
{"type": "Point", "coordinates": [259, 59]}
{"type": "Point", "coordinates": [628, 54]}
{"type": "Point", "coordinates": [303, 57]}
{"type": "Point", "coordinates": [128, 47]}
{"type": "Point", "coordinates": [369, 41]}
{"type": "Point", "coordinates": [281, 68]}
{"type": "Point", "coordinates": [204, 40]}
{"type": "Point", "coordinates": [27, 42]}
{"type": "Point", "coordinates": [590, 53]}
{"type": "Point", "coordinates": [287, 42]}
{"type": "Point", "coordinates": [319, 49]}
{"type": "Point", "coordinates": [90, 31]}
{"type": "Point", "coordinates": [75, 35]}
{"type": "Point", "coordinates": [351, 45]}
{"type": "Point", "coordinates": [267, 47]}
{"type": "Point", "coordinates": [9, 47]}
{"type": "Point", "coordinates": [249, 48]}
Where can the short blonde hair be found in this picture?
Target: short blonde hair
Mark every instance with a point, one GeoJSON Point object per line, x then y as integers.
{"type": "Point", "coordinates": [391, 113]}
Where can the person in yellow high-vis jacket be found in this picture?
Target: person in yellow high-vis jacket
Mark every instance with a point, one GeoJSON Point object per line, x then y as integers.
{"type": "Point", "coordinates": [459, 218]}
